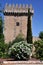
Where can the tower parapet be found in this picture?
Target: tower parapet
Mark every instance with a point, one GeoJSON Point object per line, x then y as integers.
{"type": "Point", "coordinates": [17, 8]}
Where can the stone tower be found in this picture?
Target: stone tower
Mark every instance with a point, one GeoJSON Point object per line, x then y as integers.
{"type": "Point", "coordinates": [15, 20]}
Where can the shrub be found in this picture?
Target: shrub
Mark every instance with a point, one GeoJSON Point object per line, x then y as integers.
{"type": "Point", "coordinates": [1, 31]}
{"type": "Point", "coordinates": [41, 35]}
{"type": "Point", "coordinates": [20, 51]}
{"type": "Point", "coordinates": [3, 50]}
{"type": "Point", "coordinates": [2, 47]}
{"type": "Point", "coordinates": [4, 55]}
{"type": "Point", "coordinates": [39, 49]}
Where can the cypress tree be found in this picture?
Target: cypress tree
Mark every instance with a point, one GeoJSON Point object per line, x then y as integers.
{"type": "Point", "coordinates": [29, 29]}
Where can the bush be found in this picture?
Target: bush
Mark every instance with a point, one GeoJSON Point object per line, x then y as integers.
{"type": "Point", "coordinates": [41, 35]}
{"type": "Point", "coordinates": [39, 49]}
{"type": "Point", "coordinates": [1, 30]}
{"type": "Point", "coordinates": [20, 51]}
{"type": "Point", "coordinates": [4, 55]}
{"type": "Point", "coordinates": [3, 50]}
{"type": "Point", "coordinates": [2, 47]}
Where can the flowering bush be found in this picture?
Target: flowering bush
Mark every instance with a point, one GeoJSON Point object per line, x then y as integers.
{"type": "Point", "coordinates": [20, 50]}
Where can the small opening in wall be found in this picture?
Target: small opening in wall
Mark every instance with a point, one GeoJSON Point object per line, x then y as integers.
{"type": "Point", "coordinates": [17, 24]}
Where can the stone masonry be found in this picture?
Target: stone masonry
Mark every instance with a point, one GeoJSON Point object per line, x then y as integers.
{"type": "Point", "coordinates": [22, 62]}
{"type": "Point", "coordinates": [15, 21]}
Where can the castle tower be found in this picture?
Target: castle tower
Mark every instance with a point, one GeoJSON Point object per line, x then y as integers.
{"type": "Point", "coordinates": [15, 20]}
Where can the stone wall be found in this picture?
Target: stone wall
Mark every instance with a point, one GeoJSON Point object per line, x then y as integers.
{"type": "Point", "coordinates": [22, 63]}
{"type": "Point", "coordinates": [11, 30]}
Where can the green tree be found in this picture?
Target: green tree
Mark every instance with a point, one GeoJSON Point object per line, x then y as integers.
{"type": "Point", "coordinates": [38, 49]}
{"type": "Point", "coordinates": [29, 30]}
{"type": "Point", "coordinates": [1, 30]}
{"type": "Point", "coordinates": [41, 35]}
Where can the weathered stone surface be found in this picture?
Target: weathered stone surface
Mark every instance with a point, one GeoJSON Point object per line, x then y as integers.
{"type": "Point", "coordinates": [22, 63]}
{"type": "Point", "coordinates": [10, 28]}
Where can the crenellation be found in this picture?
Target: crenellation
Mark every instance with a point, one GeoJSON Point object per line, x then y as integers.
{"type": "Point", "coordinates": [6, 5]}
{"type": "Point", "coordinates": [10, 5]}
{"type": "Point", "coordinates": [22, 8]}
{"type": "Point", "coordinates": [16, 8]}
{"type": "Point", "coordinates": [27, 6]}
{"type": "Point", "coordinates": [23, 5]}
{"type": "Point", "coordinates": [13, 6]}
{"type": "Point", "coordinates": [31, 9]}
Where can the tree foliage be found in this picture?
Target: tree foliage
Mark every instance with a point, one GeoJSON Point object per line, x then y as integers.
{"type": "Point", "coordinates": [39, 49]}
{"type": "Point", "coordinates": [41, 35]}
{"type": "Point", "coordinates": [3, 46]}
{"type": "Point", "coordinates": [29, 30]}
{"type": "Point", "coordinates": [1, 30]}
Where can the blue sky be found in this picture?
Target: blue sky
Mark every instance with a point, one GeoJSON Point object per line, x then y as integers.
{"type": "Point", "coordinates": [37, 21]}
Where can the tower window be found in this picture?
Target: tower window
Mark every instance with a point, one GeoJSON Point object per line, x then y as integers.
{"type": "Point", "coordinates": [17, 23]}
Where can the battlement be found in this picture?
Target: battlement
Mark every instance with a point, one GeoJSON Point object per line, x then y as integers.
{"type": "Point", "coordinates": [18, 8]}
